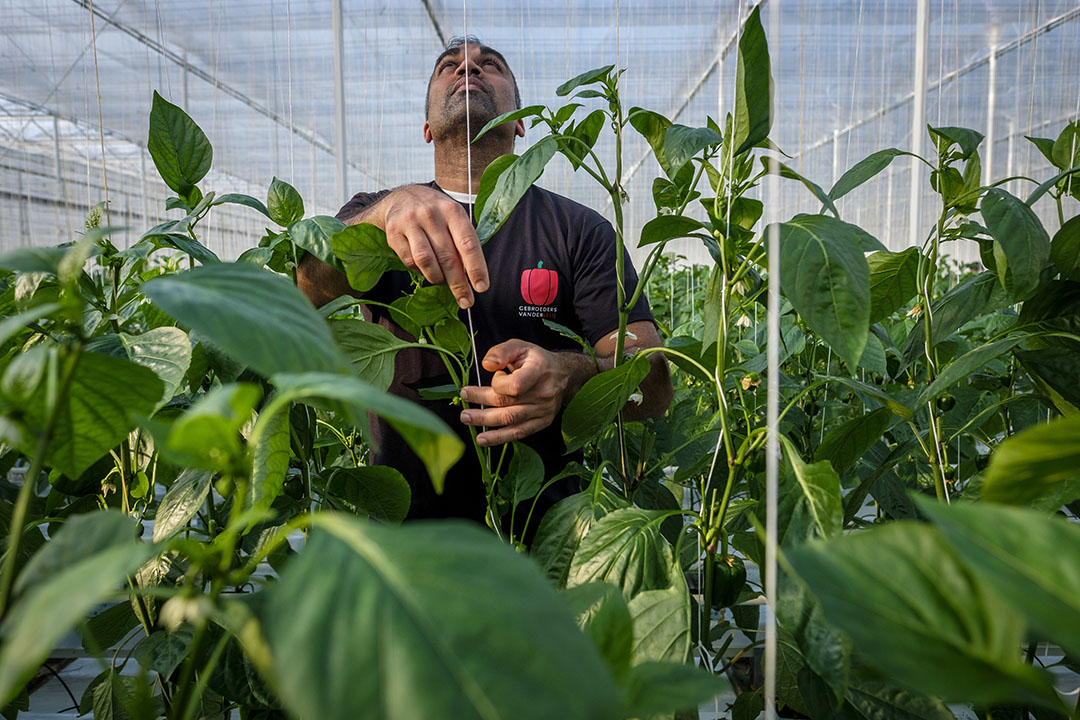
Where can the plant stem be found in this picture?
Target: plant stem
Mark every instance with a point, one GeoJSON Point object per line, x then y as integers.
{"type": "Point", "coordinates": [22, 503]}
{"type": "Point", "coordinates": [928, 268]}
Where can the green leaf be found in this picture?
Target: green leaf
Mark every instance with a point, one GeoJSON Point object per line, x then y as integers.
{"type": "Point", "coordinates": [164, 350]}
{"type": "Point", "coordinates": [269, 463]}
{"type": "Point", "coordinates": [787, 172]}
{"type": "Point", "coordinates": [108, 627]}
{"type": "Point", "coordinates": [431, 304]}
{"type": "Point", "coordinates": [207, 435]}
{"type": "Point", "coordinates": [654, 688]}
{"type": "Point", "coordinates": [512, 116]}
{"type": "Point", "coordinates": [846, 443]}
{"type": "Point", "coordinates": [461, 625]}
{"type": "Point", "coordinates": [681, 143]}
{"type": "Point", "coordinates": [370, 348]}
{"type": "Point", "coordinates": [626, 549]}
{"type": "Point", "coordinates": [378, 491]}
{"type": "Point", "coordinates": [50, 609]}
{"type": "Point", "coordinates": [946, 137]}
{"type": "Point", "coordinates": [284, 203]}
{"type": "Point", "coordinates": [565, 525]}
{"type": "Point", "coordinates": [821, 486]}
{"type": "Point", "coordinates": [893, 281]}
{"type": "Point", "coordinates": [1066, 151]}
{"type": "Point", "coordinates": [873, 357]}
{"type": "Point", "coordinates": [364, 254]}
{"type": "Point", "coordinates": [653, 127]}
{"type": "Point", "coordinates": [185, 244]}
{"type": "Point", "coordinates": [826, 650]}
{"type": "Point", "coordinates": [10, 326]}
{"type": "Point", "coordinates": [511, 185]}
{"type": "Point", "coordinates": [599, 401]}
{"type": "Point", "coordinates": [179, 148]}
{"type": "Point", "coordinates": [1045, 146]}
{"type": "Point", "coordinates": [825, 276]}
{"type": "Point", "coordinates": [241, 199]}
{"type": "Point", "coordinates": [586, 133]}
{"type": "Point", "coordinates": [912, 608]}
{"type": "Point", "coordinates": [1034, 462]}
{"type": "Point", "coordinates": [603, 615]}
{"type": "Point", "coordinates": [881, 700]}
{"type": "Point", "coordinates": [1065, 249]}
{"type": "Point", "coordinates": [586, 78]}
{"type": "Point", "coordinates": [430, 438]}
{"type": "Point", "coordinates": [163, 651]}
{"type": "Point", "coordinates": [525, 476]}
{"type": "Point", "coordinates": [453, 335]}
{"type": "Point", "coordinates": [95, 414]}
{"type": "Point", "coordinates": [1021, 236]}
{"type": "Point", "coordinates": [181, 503]}
{"type": "Point", "coordinates": [313, 235]}
{"type": "Point", "coordinates": [1045, 187]}
{"type": "Point", "coordinates": [976, 295]}
{"type": "Point", "coordinates": [662, 624]}
{"type": "Point", "coordinates": [668, 227]}
{"type": "Point", "coordinates": [1058, 368]}
{"type": "Point", "coordinates": [257, 317]}
{"type": "Point", "coordinates": [864, 170]}
{"type": "Point", "coordinates": [963, 366]}
{"type": "Point", "coordinates": [489, 179]}
{"type": "Point", "coordinates": [753, 87]}
{"type": "Point", "coordinates": [79, 538]}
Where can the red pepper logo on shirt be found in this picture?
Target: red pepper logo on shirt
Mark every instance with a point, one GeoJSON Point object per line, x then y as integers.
{"type": "Point", "coordinates": [539, 286]}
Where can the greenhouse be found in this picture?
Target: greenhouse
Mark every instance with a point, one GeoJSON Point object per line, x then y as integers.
{"type": "Point", "coordinates": [551, 359]}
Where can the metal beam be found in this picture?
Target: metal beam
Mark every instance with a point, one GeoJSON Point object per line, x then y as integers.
{"type": "Point", "coordinates": [340, 147]}
{"type": "Point", "coordinates": [918, 120]}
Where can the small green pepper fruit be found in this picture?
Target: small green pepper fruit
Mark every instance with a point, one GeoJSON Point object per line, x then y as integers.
{"type": "Point", "coordinates": [729, 578]}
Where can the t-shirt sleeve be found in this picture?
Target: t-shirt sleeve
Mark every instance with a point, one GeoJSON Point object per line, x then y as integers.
{"type": "Point", "coordinates": [358, 203]}
{"type": "Point", "coordinates": [595, 283]}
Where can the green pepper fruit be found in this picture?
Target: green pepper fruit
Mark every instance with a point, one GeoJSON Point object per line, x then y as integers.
{"type": "Point", "coordinates": [729, 578]}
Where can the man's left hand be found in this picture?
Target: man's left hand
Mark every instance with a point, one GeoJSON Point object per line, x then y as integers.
{"type": "Point", "coordinates": [529, 387]}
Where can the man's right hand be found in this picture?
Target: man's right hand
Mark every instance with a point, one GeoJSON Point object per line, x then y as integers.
{"type": "Point", "coordinates": [432, 233]}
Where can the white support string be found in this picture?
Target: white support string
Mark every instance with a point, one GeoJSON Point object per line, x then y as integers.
{"type": "Point", "coordinates": [468, 160]}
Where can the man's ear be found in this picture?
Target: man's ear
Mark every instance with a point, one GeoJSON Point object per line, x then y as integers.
{"type": "Point", "coordinates": [519, 128]}
{"type": "Point", "coordinates": [427, 132]}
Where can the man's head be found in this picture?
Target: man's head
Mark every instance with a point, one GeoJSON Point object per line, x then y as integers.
{"type": "Point", "coordinates": [485, 74]}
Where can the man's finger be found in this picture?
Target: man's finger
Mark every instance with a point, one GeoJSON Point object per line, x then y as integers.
{"type": "Point", "coordinates": [486, 396]}
{"type": "Point", "coordinates": [500, 416]}
{"type": "Point", "coordinates": [423, 255]}
{"type": "Point", "coordinates": [469, 250]}
{"type": "Point", "coordinates": [504, 355]}
{"type": "Point", "coordinates": [512, 433]}
{"type": "Point", "coordinates": [446, 255]}
{"type": "Point", "coordinates": [519, 382]}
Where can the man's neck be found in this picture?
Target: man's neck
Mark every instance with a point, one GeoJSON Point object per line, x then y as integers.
{"type": "Point", "coordinates": [452, 163]}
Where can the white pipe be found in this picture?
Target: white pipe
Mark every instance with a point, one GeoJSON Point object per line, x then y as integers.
{"type": "Point", "coordinates": [918, 120]}
{"type": "Point", "coordinates": [340, 156]}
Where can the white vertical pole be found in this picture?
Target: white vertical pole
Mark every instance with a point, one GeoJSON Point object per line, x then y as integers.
{"type": "Point", "coordinates": [1009, 167]}
{"type": "Point", "coordinates": [720, 91]}
{"type": "Point", "coordinates": [61, 189]}
{"type": "Point", "coordinates": [835, 155]}
{"type": "Point", "coordinates": [772, 406]}
{"type": "Point", "coordinates": [991, 108]}
{"type": "Point", "coordinates": [918, 119]}
{"type": "Point", "coordinates": [340, 187]}
{"type": "Point", "coordinates": [183, 82]}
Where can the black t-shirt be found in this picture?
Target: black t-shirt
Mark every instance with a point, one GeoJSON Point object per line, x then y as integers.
{"type": "Point", "coordinates": [553, 258]}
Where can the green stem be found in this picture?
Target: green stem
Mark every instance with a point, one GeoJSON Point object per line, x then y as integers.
{"type": "Point", "coordinates": [928, 272]}
{"type": "Point", "coordinates": [22, 503]}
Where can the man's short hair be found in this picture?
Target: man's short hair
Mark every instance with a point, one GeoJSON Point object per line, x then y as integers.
{"type": "Point", "coordinates": [451, 49]}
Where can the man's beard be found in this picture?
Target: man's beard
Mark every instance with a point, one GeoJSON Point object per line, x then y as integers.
{"type": "Point", "coordinates": [452, 125]}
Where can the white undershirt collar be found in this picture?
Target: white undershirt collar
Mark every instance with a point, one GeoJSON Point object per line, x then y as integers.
{"type": "Point", "coordinates": [461, 197]}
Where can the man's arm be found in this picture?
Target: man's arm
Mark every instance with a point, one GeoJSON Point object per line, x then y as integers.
{"type": "Point", "coordinates": [429, 231]}
{"type": "Point", "coordinates": [531, 385]}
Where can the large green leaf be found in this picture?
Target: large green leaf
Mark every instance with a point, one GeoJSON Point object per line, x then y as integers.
{"type": "Point", "coordinates": [1033, 463]}
{"type": "Point", "coordinates": [826, 650]}
{"type": "Point", "coordinates": [681, 143]}
{"type": "Point", "coordinates": [313, 236]}
{"type": "Point", "coordinates": [364, 255]}
{"type": "Point", "coordinates": [789, 173]}
{"type": "Point", "coordinates": [881, 700]}
{"type": "Point", "coordinates": [565, 525]}
{"type": "Point", "coordinates": [586, 78]}
{"type": "Point", "coordinates": [863, 170]}
{"type": "Point", "coordinates": [665, 687]}
{"type": "Point", "coordinates": [1016, 228]}
{"type": "Point", "coordinates": [1065, 249]}
{"type": "Point", "coordinates": [912, 607]}
{"type": "Point", "coordinates": [627, 549]}
{"type": "Point", "coordinates": [512, 116]}
{"type": "Point", "coordinates": [257, 317]}
{"type": "Point", "coordinates": [963, 366]}
{"type": "Point", "coordinates": [1031, 559]}
{"type": "Point", "coordinates": [1059, 368]}
{"type": "Point", "coordinates": [52, 608]}
{"type": "Point", "coordinates": [10, 326]}
{"type": "Point", "coordinates": [825, 276]}
{"type": "Point", "coordinates": [668, 227]}
{"type": "Point", "coordinates": [599, 401]}
{"type": "Point", "coordinates": [179, 148]}
{"type": "Point", "coordinates": [96, 412]}
{"type": "Point", "coordinates": [207, 435]}
{"type": "Point", "coordinates": [603, 615]}
{"type": "Point", "coordinates": [164, 350]}
{"type": "Point", "coordinates": [284, 203]}
{"type": "Point", "coordinates": [946, 137]}
{"type": "Point", "coordinates": [662, 624]}
{"type": "Point", "coordinates": [79, 538]}
{"type": "Point", "coordinates": [821, 486]}
{"type": "Point", "coordinates": [241, 199]}
{"type": "Point", "coordinates": [445, 620]}
{"type": "Point", "coordinates": [511, 185]}
{"type": "Point", "coordinates": [370, 348]}
{"type": "Point", "coordinates": [846, 443]}
{"type": "Point", "coordinates": [269, 463]}
{"type": "Point", "coordinates": [378, 491]}
{"type": "Point", "coordinates": [653, 127]}
{"type": "Point", "coordinates": [893, 281]}
{"type": "Point", "coordinates": [488, 180]}
{"type": "Point", "coordinates": [977, 295]}
{"type": "Point", "coordinates": [1066, 153]}
{"type": "Point", "coordinates": [183, 500]}
{"type": "Point", "coordinates": [430, 438]}
{"type": "Point", "coordinates": [753, 87]}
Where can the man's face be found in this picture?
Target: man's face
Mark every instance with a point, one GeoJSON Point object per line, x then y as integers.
{"type": "Point", "coordinates": [490, 85]}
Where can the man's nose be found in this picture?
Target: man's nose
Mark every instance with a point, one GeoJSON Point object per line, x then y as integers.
{"type": "Point", "coordinates": [473, 68]}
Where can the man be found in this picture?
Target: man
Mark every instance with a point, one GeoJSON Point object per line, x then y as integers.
{"type": "Point", "coordinates": [552, 258]}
